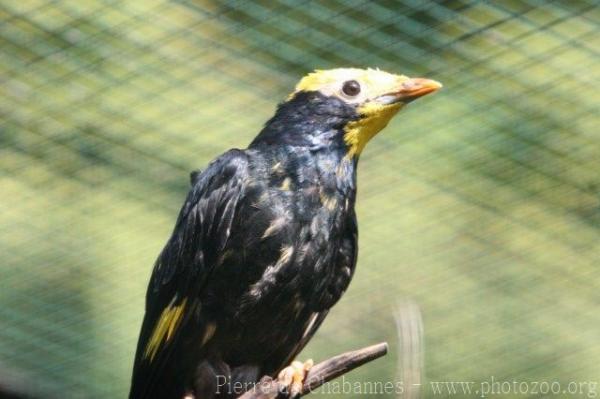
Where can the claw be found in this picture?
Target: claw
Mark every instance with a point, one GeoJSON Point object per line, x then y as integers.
{"type": "Point", "coordinates": [292, 378]}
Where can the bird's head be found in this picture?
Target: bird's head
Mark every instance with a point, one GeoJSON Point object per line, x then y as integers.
{"type": "Point", "coordinates": [348, 102]}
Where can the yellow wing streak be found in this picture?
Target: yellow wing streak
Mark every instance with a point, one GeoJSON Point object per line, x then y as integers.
{"type": "Point", "coordinates": [164, 329]}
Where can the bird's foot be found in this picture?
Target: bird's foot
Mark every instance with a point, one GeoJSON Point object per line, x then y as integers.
{"type": "Point", "coordinates": [292, 378]}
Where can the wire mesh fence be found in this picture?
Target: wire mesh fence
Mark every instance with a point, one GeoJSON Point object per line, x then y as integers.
{"type": "Point", "coordinates": [481, 204]}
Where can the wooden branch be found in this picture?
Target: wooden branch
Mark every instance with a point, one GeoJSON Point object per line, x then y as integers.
{"type": "Point", "coordinates": [321, 373]}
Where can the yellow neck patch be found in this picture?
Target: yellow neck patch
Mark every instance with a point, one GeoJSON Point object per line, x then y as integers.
{"type": "Point", "coordinates": [374, 117]}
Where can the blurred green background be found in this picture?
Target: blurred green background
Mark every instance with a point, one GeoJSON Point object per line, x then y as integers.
{"type": "Point", "coordinates": [478, 207]}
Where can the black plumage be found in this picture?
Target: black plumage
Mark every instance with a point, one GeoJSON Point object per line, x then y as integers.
{"type": "Point", "coordinates": [263, 247]}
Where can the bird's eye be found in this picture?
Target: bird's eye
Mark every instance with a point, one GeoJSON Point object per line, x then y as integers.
{"type": "Point", "coordinates": [351, 88]}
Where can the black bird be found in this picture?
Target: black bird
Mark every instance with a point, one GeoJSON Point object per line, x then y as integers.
{"type": "Point", "coordinates": [265, 243]}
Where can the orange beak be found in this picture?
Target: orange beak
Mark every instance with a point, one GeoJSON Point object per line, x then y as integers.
{"type": "Point", "coordinates": [414, 88]}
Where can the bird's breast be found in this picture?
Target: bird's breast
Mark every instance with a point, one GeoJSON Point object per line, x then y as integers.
{"type": "Point", "coordinates": [280, 258]}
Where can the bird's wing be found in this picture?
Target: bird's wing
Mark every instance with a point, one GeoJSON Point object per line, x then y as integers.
{"type": "Point", "coordinates": [200, 234]}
